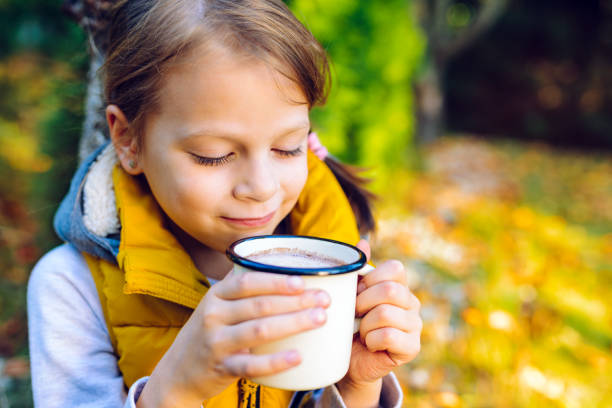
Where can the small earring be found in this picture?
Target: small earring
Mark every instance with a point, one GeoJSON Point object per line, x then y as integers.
{"type": "Point", "coordinates": [132, 164]}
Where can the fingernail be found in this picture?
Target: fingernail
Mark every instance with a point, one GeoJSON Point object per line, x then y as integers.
{"type": "Point", "coordinates": [322, 299]}
{"type": "Point", "coordinates": [295, 283]}
{"type": "Point", "coordinates": [317, 315]}
{"type": "Point", "coordinates": [361, 287]}
{"type": "Point", "coordinates": [292, 357]}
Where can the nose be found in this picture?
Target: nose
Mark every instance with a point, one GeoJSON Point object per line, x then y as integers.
{"type": "Point", "coordinates": [258, 181]}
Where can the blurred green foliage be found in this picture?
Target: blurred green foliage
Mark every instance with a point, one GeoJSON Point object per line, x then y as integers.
{"type": "Point", "coordinates": [375, 49]}
{"type": "Point", "coordinates": [38, 25]}
{"type": "Point", "coordinates": [43, 61]}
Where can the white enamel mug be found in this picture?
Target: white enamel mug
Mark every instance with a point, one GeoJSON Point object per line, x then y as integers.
{"type": "Point", "coordinates": [326, 350]}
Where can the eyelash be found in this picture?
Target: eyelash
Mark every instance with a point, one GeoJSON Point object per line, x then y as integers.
{"type": "Point", "coordinates": [211, 161]}
{"type": "Point", "coordinates": [218, 161]}
{"type": "Point", "coordinates": [290, 153]}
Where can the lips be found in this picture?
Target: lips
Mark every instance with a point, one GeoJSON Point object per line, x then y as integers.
{"type": "Point", "coordinates": [251, 222]}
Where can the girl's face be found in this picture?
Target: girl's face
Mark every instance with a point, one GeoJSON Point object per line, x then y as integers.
{"type": "Point", "coordinates": [225, 155]}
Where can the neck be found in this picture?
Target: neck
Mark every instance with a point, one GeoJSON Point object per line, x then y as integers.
{"type": "Point", "coordinates": [210, 263]}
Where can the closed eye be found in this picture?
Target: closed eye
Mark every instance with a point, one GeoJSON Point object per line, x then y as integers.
{"type": "Point", "coordinates": [218, 161]}
{"type": "Point", "coordinates": [212, 161]}
{"type": "Point", "coordinates": [289, 153]}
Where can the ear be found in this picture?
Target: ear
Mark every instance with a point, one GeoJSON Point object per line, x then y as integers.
{"type": "Point", "coordinates": [126, 144]}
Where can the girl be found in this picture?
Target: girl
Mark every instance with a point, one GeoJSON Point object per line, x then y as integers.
{"type": "Point", "coordinates": [208, 104]}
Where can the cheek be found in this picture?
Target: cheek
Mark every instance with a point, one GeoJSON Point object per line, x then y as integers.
{"type": "Point", "coordinates": [183, 186]}
{"type": "Point", "coordinates": [202, 187]}
{"type": "Point", "coordinates": [294, 178]}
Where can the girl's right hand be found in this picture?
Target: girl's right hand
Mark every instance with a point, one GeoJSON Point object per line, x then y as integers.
{"type": "Point", "coordinates": [212, 349]}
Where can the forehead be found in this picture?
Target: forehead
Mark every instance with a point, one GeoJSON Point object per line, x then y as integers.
{"type": "Point", "coordinates": [215, 85]}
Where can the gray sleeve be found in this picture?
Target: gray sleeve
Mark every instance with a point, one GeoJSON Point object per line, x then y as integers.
{"type": "Point", "coordinates": [134, 392]}
{"type": "Point", "coordinates": [329, 397]}
{"type": "Point", "coordinates": [71, 356]}
{"type": "Point", "coordinates": [390, 395]}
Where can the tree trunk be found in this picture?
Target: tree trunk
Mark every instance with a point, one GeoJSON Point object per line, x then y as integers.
{"type": "Point", "coordinates": [444, 42]}
{"type": "Point", "coordinates": [93, 17]}
{"type": "Point", "coordinates": [95, 131]}
{"type": "Point", "coordinates": [430, 105]}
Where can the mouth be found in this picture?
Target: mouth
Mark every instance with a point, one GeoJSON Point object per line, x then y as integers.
{"type": "Point", "coordinates": [251, 222]}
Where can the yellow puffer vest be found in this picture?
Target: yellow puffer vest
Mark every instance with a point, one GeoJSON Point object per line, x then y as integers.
{"type": "Point", "coordinates": [149, 296]}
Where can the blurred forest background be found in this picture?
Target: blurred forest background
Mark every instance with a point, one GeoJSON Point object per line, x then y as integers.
{"type": "Point", "coordinates": [486, 126]}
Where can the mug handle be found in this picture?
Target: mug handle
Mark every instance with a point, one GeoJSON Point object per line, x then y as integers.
{"type": "Point", "coordinates": [367, 268]}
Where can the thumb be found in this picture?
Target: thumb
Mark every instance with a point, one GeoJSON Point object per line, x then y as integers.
{"type": "Point", "coordinates": [365, 247]}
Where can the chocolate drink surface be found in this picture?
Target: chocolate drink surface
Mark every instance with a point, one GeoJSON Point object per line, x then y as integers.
{"type": "Point", "coordinates": [294, 258]}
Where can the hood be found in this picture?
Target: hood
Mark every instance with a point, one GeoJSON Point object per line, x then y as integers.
{"type": "Point", "coordinates": [86, 217]}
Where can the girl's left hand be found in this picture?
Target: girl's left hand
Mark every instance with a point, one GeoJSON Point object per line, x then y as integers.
{"type": "Point", "coordinates": [390, 329]}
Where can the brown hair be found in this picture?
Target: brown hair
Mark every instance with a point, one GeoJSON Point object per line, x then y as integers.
{"type": "Point", "coordinates": [146, 36]}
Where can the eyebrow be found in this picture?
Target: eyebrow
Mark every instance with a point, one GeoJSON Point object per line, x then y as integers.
{"type": "Point", "coordinates": [225, 134]}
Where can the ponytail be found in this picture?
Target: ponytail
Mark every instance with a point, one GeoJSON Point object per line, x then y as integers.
{"type": "Point", "coordinates": [351, 182]}
{"type": "Point", "coordinates": [359, 197]}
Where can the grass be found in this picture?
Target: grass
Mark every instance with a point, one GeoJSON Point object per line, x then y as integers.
{"type": "Point", "coordinates": [508, 246]}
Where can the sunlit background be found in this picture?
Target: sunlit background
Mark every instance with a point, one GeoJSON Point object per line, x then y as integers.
{"type": "Point", "coordinates": [486, 127]}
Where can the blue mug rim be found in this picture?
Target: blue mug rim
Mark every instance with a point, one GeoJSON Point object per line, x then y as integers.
{"type": "Point", "coordinates": [287, 270]}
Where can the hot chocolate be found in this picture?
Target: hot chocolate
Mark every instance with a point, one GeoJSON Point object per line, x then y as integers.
{"type": "Point", "coordinates": [294, 258]}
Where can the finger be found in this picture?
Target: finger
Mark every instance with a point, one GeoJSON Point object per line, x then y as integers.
{"type": "Point", "coordinates": [253, 333]}
{"type": "Point", "coordinates": [401, 346]}
{"type": "Point", "coordinates": [242, 285]}
{"type": "Point", "coordinates": [390, 316]}
{"type": "Point", "coordinates": [389, 271]}
{"type": "Point", "coordinates": [251, 365]}
{"type": "Point", "coordinates": [241, 310]}
{"type": "Point", "coordinates": [388, 292]}
{"type": "Point", "coordinates": [365, 247]}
